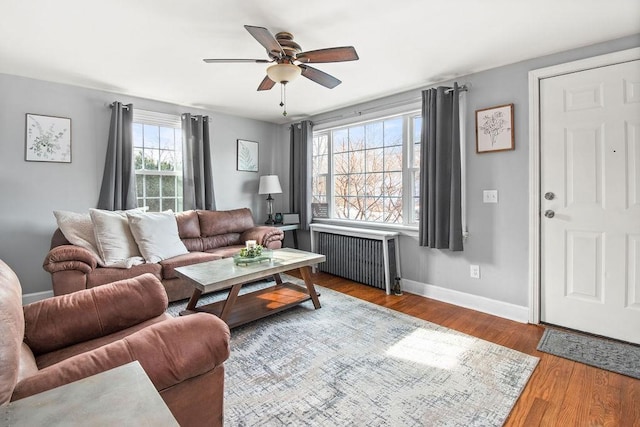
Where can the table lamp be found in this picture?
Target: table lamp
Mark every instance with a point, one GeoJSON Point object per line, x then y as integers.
{"type": "Point", "coordinates": [269, 184]}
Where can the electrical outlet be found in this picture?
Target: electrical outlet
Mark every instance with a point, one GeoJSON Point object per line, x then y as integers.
{"type": "Point", "coordinates": [490, 196]}
{"type": "Point", "coordinates": [474, 271]}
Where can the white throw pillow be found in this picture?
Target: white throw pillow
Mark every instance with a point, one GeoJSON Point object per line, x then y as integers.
{"type": "Point", "coordinates": [114, 240]}
{"type": "Point", "coordinates": [156, 234]}
{"type": "Point", "coordinates": [78, 230]}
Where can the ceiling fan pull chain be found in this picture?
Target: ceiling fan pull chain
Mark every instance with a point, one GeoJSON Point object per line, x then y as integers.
{"type": "Point", "coordinates": [283, 97]}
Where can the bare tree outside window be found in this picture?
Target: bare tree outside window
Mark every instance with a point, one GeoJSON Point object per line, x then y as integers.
{"type": "Point", "coordinates": [367, 173]}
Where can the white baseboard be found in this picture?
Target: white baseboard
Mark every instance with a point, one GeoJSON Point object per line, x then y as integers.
{"type": "Point", "coordinates": [36, 296]}
{"type": "Point", "coordinates": [486, 305]}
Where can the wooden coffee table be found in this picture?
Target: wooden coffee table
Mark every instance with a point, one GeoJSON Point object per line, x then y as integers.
{"type": "Point", "coordinates": [237, 309]}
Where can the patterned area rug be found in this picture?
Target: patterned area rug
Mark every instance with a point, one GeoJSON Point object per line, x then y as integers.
{"type": "Point", "coordinates": [355, 363]}
{"type": "Point", "coordinates": [602, 353]}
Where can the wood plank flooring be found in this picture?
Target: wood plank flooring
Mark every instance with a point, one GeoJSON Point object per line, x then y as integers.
{"type": "Point", "coordinates": [559, 393]}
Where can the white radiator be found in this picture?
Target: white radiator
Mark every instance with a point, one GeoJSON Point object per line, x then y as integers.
{"type": "Point", "coordinates": [365, 256]}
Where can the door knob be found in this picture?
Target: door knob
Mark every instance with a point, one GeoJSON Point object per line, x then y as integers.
{"type": "Point", "coordinates": [549, 213]}
{"type": "Point", "coordinates": [549, 195]}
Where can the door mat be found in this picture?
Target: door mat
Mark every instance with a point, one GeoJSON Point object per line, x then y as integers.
{"type": "Point", "coordinates": [602, 353]}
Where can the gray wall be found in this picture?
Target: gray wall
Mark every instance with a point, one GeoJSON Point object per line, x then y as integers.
{"type": "Point", "coordinates": [31, 191]}
{"type": "Point", "coordinates": [499, 233]}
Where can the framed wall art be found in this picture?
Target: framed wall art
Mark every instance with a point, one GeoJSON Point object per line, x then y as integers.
{"type": "Point", "coordinates": [494, 129]}
{"type": "Point", "coordinates": [247, 156]}
{"type": "Point", "coordinates": [47, 139]}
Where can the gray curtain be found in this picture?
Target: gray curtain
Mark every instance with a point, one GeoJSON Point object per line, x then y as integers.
{"type": "Point", "coordinates": [197, 171]}
{"type": "Point", "coordinates": [300, 171]}
{"type": "Point", "coordinates": [118, 190]}
{"type": "Point", "coordinates": [440, 223]}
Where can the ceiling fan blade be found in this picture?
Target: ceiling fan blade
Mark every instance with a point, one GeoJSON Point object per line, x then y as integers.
{"type": "Point", "coordinates": [332, 54]}
{"type": "Point", "coordinates": [266, 84]}
{"type": "Point", "coordinates": [266, 39]}
{"type": "Point", "coordinates": [258, 61]}
{"type": "Point", "coordinates": [319, 77]}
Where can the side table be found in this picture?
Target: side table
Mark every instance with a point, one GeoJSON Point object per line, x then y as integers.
{"type": "Point", "coordinates": [122, 396]}
{"type": "Point", "coordinates": [290, 227]}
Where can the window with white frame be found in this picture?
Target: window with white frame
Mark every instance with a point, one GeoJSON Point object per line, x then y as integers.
{"type": "Point", "coordinates": [369, 171]}
{"type": "Point", "coordinates": [157, 150]}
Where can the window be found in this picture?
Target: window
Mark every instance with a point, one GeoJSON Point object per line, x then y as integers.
{"type": "Point", "coordinates": [369, 171]}
{"type": "Point", "coordinates": [157, 150]}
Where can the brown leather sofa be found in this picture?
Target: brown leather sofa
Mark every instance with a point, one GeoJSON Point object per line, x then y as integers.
{"type": "Point", "coordinates": [63, 339]}
{"type": "Point", "coordinates": [208, 235]}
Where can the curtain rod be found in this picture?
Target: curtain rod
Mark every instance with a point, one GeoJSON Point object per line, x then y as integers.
{"type": "Point", "coordinates": [463, 88]}
{"type": "Point", "coordinates": [125, 106]}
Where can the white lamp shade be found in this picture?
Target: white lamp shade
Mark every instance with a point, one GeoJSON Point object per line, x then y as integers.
{"type": "Point", "coordinates": [283, 72]}
{"type": "Point", "coordinates": [269, 184]}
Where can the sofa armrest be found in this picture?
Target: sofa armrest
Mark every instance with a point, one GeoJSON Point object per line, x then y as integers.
{"type": "Point", "coordinates": [61, 321]}
{"type": "Point", "coordinates": [170, 352]}
{"type": "Point", "coordinates": [69, 257]}
{"type": "Point", "coordinates": [268, 237]}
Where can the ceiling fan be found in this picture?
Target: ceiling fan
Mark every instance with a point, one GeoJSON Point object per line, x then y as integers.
{"type": "Point", "coordinates": [291, 61]}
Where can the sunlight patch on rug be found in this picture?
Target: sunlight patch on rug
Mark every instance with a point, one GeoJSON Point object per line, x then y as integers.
{"type": "Point", "coordinates": [433, 348]}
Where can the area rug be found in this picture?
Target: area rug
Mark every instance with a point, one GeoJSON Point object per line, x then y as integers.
{"type": "Point", "coordinates": [355, 363]}
{"type": "Point", "coordinates": [602, 353]}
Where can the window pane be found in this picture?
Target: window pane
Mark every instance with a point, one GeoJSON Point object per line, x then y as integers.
{"type": "Point", "coordinates": [151, 159]}
{"type": "Point", "coordinates": [416, 155]}
{"type": "Point", "coordinates": [417, 129]}
{"type": "Point", "coordinates": [393, 210]}
{"type": "Point", "coordinates": [167, 160]}
{"type": "Point", "coordinates": [320, 165]}
{"type": "Point", "coordinates": [375, 209]}
{"type": "Point", "coordinates": [393, 184]}
{"type": "Point", "coordinates": [375, 160]}
{"type": "Point", "coordinates": [319, 185]}
{"type": "Point", "coordinates": [152, 184]}
{"type": "Point", "coordinates": [356, 162]}
{"type": "Point", "coordinates": [393, 131]}
{"type": "Point", "coordinates": [154, 205]}
{"type": "Point", "coordinates": [179, 189]}
{"type": "Point", "coordinates": [140, 186]}
{"type": "Point", "coordinates": [356, 184]}
{"type": "Point", "coordinates": [357, 209]}
{"type": "Point", "coordinates": [374, 132]}
{"type": "Point", "coordinates": [341, 163]}
{"type": "Point", "coordinates": [137, 134]}
{"type": "Point", "coordinates": [340, 140]}
{"type": "Point", "coordinates": [375, 184]}
{"type": "Point", "coordinates": [151, 136]}
{"type": "Point", "coordinates": [137, 158]}
{"type": "Point", "coordinates": [393, 158]}
{"type": "Point", "coordinates": [341, 185]}
{"type": "Point", "coordinates": [341, 209]}
{"type": "Point", "coordinates": [168, 203]}
{"type": "Point", "coordinates": [356, 138]}
{"type": "Point", "coordinates": [168, 187]}
{"type": "Point", "coordinates": [167, 138]}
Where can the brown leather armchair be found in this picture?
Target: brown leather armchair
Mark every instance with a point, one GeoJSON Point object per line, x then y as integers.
{"type": "Point", "coordinates": [63, 339]}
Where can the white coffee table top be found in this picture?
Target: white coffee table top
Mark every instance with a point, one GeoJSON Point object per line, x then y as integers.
{"type": "Point", "coordinates": [223, 273]}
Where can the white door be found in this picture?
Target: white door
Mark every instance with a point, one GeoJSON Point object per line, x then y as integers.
{"type": "Point", "coordinates": [590, 201]}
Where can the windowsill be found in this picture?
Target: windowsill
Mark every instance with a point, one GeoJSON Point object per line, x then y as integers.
{"type": "Point", "coordinates": [404, 230]}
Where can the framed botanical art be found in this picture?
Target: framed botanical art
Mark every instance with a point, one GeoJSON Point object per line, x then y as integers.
{"type": "Point", "coordinates": [494, 129]}
{"type": "Point", "coordinates": [47, 139]}
{"type": "Point", "coordinates": [247, 156]}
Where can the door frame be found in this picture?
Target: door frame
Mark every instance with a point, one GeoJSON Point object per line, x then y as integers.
{"type": "Point", "coordinates": [535, 284]}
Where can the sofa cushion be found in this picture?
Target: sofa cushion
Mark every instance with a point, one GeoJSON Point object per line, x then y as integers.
{"type": "Point", "coordinates": [221, 241]}
{"type": "Point", "coordinates": [77, 228]}
{"type": "Point", "coordinates": [114, 240]}
{"type": "Point", "coordinates": [213, 223]}
{"type": "Point", "coordinates": [156, 234]}
{"type": "Point", "coordinates": [188, 224]}
{"type": "Point", "coordinates": [169, 265]}
{"type": "Point", "coordinates": [11, 331]}
{"type": "Point", "coordinates": [104, 275]}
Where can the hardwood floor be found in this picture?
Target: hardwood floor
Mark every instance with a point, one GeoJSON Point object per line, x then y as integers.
{"type": "Point", "coordinates": [559, 393]}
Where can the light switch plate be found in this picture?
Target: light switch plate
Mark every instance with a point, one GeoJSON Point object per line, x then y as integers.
{"type": "Point", "coordinates": [490, 196]}
{"type": "Point", "coordinates": [474, 271]}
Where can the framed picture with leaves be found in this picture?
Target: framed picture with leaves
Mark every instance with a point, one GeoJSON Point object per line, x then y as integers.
{"type": "Point", "coordinates": [247, 156]}
{"type": "Point", "coordinates": [494, 129]}
{"type": "Point", "coordinates": [47, 139]}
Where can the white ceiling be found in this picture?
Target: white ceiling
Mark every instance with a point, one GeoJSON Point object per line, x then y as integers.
{"type": "Point", "coordinates": [154, 48]}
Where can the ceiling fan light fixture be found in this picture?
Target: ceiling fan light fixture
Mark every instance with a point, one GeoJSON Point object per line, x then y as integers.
{"type": "Point", "coordinates": [283, 73]}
